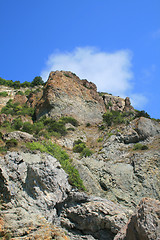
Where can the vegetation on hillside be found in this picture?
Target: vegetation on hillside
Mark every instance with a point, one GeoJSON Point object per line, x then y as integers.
{"type": "Point", "coordinates": [80, 147]}
{"type": "Point", "coordinates": [62, 156]}
{"type": "Point", "coordinates": [16, 84]}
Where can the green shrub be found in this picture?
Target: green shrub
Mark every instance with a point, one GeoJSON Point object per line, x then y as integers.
{"type": "Point", "coordinates": [142, 114]}
{"type": "Point", "coordinates": [62, 157]}
{"type": "Point", "coordinates": [86, 152]}
{"type": "Point", "coordinates": [53, 127]}
{"type": "Point", "coordinates": [17, 124]}
{"type": "Point", "coordinates": [17, 109]}
{"type": "Point", "coordinates": [3, 149]}
{"type": "Point", "coordinates": [11, 143]}
{"type": "Point", "coordinates": [113, 117]}
{"type": "Point", "coordinates": [1, 135]}
{"type": "Point", "coordinates": [6, 124]}
{"type": "Point", "coordinates": [3, 94]}
{"type": "Point", "coordinates": [101, 127]}
{"type": "Point", "coordinates": [28, 127]}
{"type": "Point", "coordinates": [99, 139]}
{"type": "Point", "coordinates": [27, 92]}
{"type": "Point", "coordinates": [88, 124]}
{"type": "Point", "coordinates": [78, 148]}
{"type": "Point", "coordinates": [20, 93]}
{"type": "Point", "coordinates": [37, 127]}
{"type": "Point", "coordinates": [67, 75]}
{"type": "Point", "coordinates": [37, 81]}
{"type": "Point", "coordinates": [70, 129]}
{"type": "Point", "coordinates": [139, 146]}
{"type": "Point", "coordinates": [71, 120]}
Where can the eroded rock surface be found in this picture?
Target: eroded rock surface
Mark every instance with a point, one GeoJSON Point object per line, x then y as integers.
{"type": "Point", "coordinates": [65, 94]}
{"type": "Point", "coordinates": [119, 173]}
{"type": "Point", "coordinates": [36, 191]}
{"type": "Point", "coordinates": [144, 223]}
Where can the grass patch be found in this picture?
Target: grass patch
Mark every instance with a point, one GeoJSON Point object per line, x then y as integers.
{"type": "Point", "coordinates": [139, 146]}
{"type": "Point", "coordinates": [62, 157]}
{"type": "Point", "coordinates": [3, 94]}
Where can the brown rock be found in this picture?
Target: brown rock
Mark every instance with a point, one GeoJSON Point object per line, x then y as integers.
{"type": "Point", "coordinates": [34, 98]}
{"type": "Point", "coordinates": [128, 107]}
{"type": "Point", "coordinates": [21, 99]}
{"type": "Point", "coordinates": [66, 95]}
{"type": "Point", "coordinates": [144, 224]}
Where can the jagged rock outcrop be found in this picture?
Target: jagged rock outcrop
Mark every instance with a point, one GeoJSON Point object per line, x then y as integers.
{"type": "Point", "coordinates": [36, 191]}
{"type": "Point", "coordinates": [114, 103]}
{"type": "Point", "coordinates": [144, 223]}
{"type": "Point", "coordinates": [65, 94]}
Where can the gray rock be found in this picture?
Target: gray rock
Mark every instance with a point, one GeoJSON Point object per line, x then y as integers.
{"type": "Point", "coordinates": [120, 174]}
{"type": "Point", "coordinates": [98, 217]}
{"type": "Point", "coordinates": [32, 189]}
{"type": "Point", "coordinates": [19, 136]}
{"type": "Point", "coordinates": [35, 190]}
{"type": "Point", "coordinates": [139, 130]}
{"type": "Point", "coordinates": [144, 223]}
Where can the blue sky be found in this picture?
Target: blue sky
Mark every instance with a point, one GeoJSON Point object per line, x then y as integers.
{"type": "Point", "coordinates": [114, 43]}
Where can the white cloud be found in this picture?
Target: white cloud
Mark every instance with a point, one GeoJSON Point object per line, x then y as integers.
{"type": "Point", "coordinates": [138, 100]}
{"type": "Point", "coordinates": [111, 72]}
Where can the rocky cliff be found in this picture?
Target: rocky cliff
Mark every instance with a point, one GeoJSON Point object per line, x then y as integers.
{"type": "Point", "coordinates": [65, 94]}
{"type": "Point", "coordinates": [118, 162]}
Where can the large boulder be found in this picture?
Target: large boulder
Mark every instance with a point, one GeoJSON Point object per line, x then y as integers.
{"type": "Point", "coordinates": [144, 223]}
{"type": "Point", "coordinates": [139, 130]}
{"type": "Point", "coordinates": [66, 95]}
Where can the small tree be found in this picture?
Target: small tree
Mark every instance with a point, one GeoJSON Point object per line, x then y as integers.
{"type": "Point", "coordinates": [37, 81]}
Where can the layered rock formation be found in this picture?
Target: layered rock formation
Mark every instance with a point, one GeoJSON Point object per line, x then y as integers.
{"type": "Point", "coordinates": [35, 190]}
{"type": "Point", "coordinates": [65, 94]}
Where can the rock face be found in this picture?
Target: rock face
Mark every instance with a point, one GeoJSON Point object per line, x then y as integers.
{"type": "Point", "coordinates": [37, 195]}
{"type": "Point", "coordinates": [119, 173]}
{"type": "Point", "coordinates": [144, 224]}
{"type": "Point", "coordinates": [65, 94]}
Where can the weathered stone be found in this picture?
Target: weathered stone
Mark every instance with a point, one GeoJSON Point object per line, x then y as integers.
{"type": "Point", "coordinates": [65, 94]}
{"type": "Point", "coordinates": [144, 223]}
{"type": "Point", "coordinates": [19, 136]}
{"type": "Point", "coordinates": [121, 174]}
{"type": "Point", "coordinates": [101, 218]}
{"type": "Point", "coordinates": [37, 194]}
